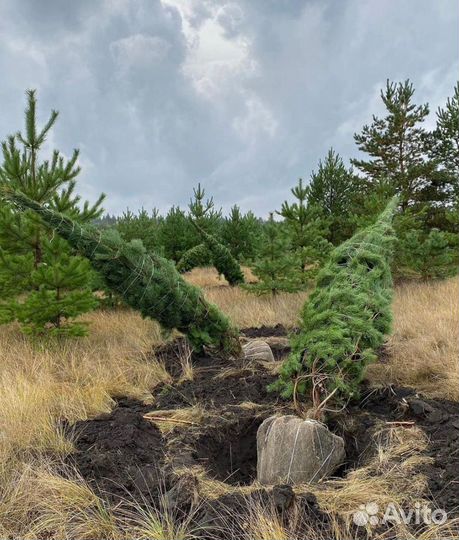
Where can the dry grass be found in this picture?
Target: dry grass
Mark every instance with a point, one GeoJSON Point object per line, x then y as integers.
{"type": "Point", "coordinates": [171, 419]}
{"type": "Point", "coordinates": [246, 309]}
{"type": "Point", "coordinates": [388, 477]}
{"type": "Point", "coordinates": [424, 348]}
{"type": "Point", "coordinates": [40, 384]}
{"type": "Point", "coordinates": [209, 277]}
{"type": "Point", "coordinates": [73, 380]}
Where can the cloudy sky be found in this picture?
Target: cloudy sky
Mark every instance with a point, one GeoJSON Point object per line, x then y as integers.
{"type": "Point", "coordinates": [244, 96]}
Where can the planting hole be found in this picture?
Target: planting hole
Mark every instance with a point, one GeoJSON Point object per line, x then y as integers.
{"type": "Point", "coordinates": [229, 451]}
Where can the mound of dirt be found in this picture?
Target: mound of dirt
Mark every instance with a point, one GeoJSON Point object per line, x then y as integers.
{"type": "Point", "coordinates": [122, 453]}
{"type": "Point", "coordinates": [439, 419]}
{"type": "Point", "coordinates": [218, 392]}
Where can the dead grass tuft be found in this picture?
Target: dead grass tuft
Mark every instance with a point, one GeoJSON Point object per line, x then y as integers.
{"type": "Point", "coordinates": [423, 351]}
{"type": "Point", "coordinates": [208, 277]}
{"type": "Point", "coordinates": [391, 476]}
{"type": "Point", "coordinates": [247, 310]}
{"type": "Point", "coordinates": [42, 384]}
{"type": "Point", "coordinates": [170, 419]}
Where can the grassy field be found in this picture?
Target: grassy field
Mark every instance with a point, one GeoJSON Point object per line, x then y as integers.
{"type": "Point", "coordinates": [40, 386]}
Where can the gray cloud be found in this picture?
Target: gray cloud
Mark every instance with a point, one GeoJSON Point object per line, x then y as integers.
{"type": "Point", "coordinates": [242, 95]}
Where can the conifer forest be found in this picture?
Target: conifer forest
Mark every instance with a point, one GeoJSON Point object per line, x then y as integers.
{"type": "Point", "coordinates": [266, 359]}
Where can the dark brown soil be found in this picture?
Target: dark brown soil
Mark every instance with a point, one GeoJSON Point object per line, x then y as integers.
{"type": "Point", "coordinates": [229, 452]}
{"type": "Point", "coordinates": [267, 331]}
{"type": "Point", "coordinates": [122, 454]}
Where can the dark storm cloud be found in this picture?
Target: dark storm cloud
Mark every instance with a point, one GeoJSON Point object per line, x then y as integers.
{"type": "Point", "coordinates": [244, 96]}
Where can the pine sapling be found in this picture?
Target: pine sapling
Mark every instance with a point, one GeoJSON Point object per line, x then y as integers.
{"type": "Point", "coordinates": [222, 259]}
{"type": "Point", "coordinates": [146, 281]}
{"type": "Point", "coordinates": [42, 285]}
{"type": "Point", "coordinates": [196, 256]}
{"type": "Point", "coordinates": [345, 319]}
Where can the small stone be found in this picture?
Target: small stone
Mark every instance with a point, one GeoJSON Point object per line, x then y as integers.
{"type": "Point", "coordinates": [258, 350]}
{"type": "Point", "coordinates": [295, 451]}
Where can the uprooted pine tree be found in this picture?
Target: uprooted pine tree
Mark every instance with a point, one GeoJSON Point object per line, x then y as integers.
{"type": "Point", "coordinates": [146, 281]}
{"type": "Point", "coordinates": [346, 318]}
{"type": "Point", "coordinates": [222, 258]}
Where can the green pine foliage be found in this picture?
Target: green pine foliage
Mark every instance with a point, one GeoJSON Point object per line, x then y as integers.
{"type": "Point", "coordinates": [307, 238]}
{"type": "Point", "coordinates": [407, 160]}
{"type": "Point", "coordinates": [202, 211]}
{"type": "Point", "coordinates": [146, 281]}
{"type": "Point", "coordinates": [346, 318]}
{"type": "Point", "coordinates": [396, 146]}
{"type": "Point", "coordinates": [274, 266]}
{"type": "Point", "coordinates": [332, 189]}
{"type": "Point", "coordinates": [429, 256]}
{"type": "Point", "coordinates": [443, 148]}
{"type": "Point", "coordinates": [446, 135]}
{"type": "Point", "coordinates": [60, 293]}
{"type": "Point", "coordinates": [176, 235]}
{"type": "Point", "coordinates": [241, 234]}
{"type": "Point", "coordinates": [141, 226]}
{"type": "Point", "coordinates": [222, 259]}
{"type": "Point", "coordinates": [196, 256]}
{"type": "Point", "coordinates": [42, 285]}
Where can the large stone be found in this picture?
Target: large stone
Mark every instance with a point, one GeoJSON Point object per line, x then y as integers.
{"type": "Point", "coordinates": [258, 350]}
{"type": "Point", "coordinates": [295, 451]}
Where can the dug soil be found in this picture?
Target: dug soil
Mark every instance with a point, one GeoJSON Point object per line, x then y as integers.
{"type": "Point", "coordinates": [208, 453]}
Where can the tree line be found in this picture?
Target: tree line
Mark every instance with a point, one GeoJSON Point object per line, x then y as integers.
{"type": "Point", "coordinates": [399, 157]}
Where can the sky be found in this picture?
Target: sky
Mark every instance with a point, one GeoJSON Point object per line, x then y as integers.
{"type": "Point", "coordinates": [244, 96]}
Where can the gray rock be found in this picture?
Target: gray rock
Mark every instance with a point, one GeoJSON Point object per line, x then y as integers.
{"type": "Point", "coordinates": [258, 350]}
{"type": "Point", "coordinates": [295, 451]}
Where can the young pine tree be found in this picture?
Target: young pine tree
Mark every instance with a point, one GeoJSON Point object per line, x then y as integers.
{"type": "Point", "coordinates": [332, 189]}
{"type": "Point", "coordinates": [146, 281]}
{"type": "Point", "coordinates": [397, 149]}
{"type": "Point", "coordinates": [42, 285]}
{"type": "Point", "coordinates": [395, 143]}
{"type": "Point", "coordinates": [60, 292]}
{"type": "Point", "coordinates": [308, 230]}
{"type": "Point", "coordinates": [142, 226]}
{"type": "Point", "coordinates": [345, 319]}
{"type": "Point", "coordinates": [176, 236]}
{"type": "Point", "coordinates": [202, 211]}
{"type": "Point", "coordinates": [274, 267]}
{"type": "Point", "coordinates": [241, 234]}
{"type": "Point", "coordinates": [430, 255]}
{"type": "Point", "coordinates": [443, 148]}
